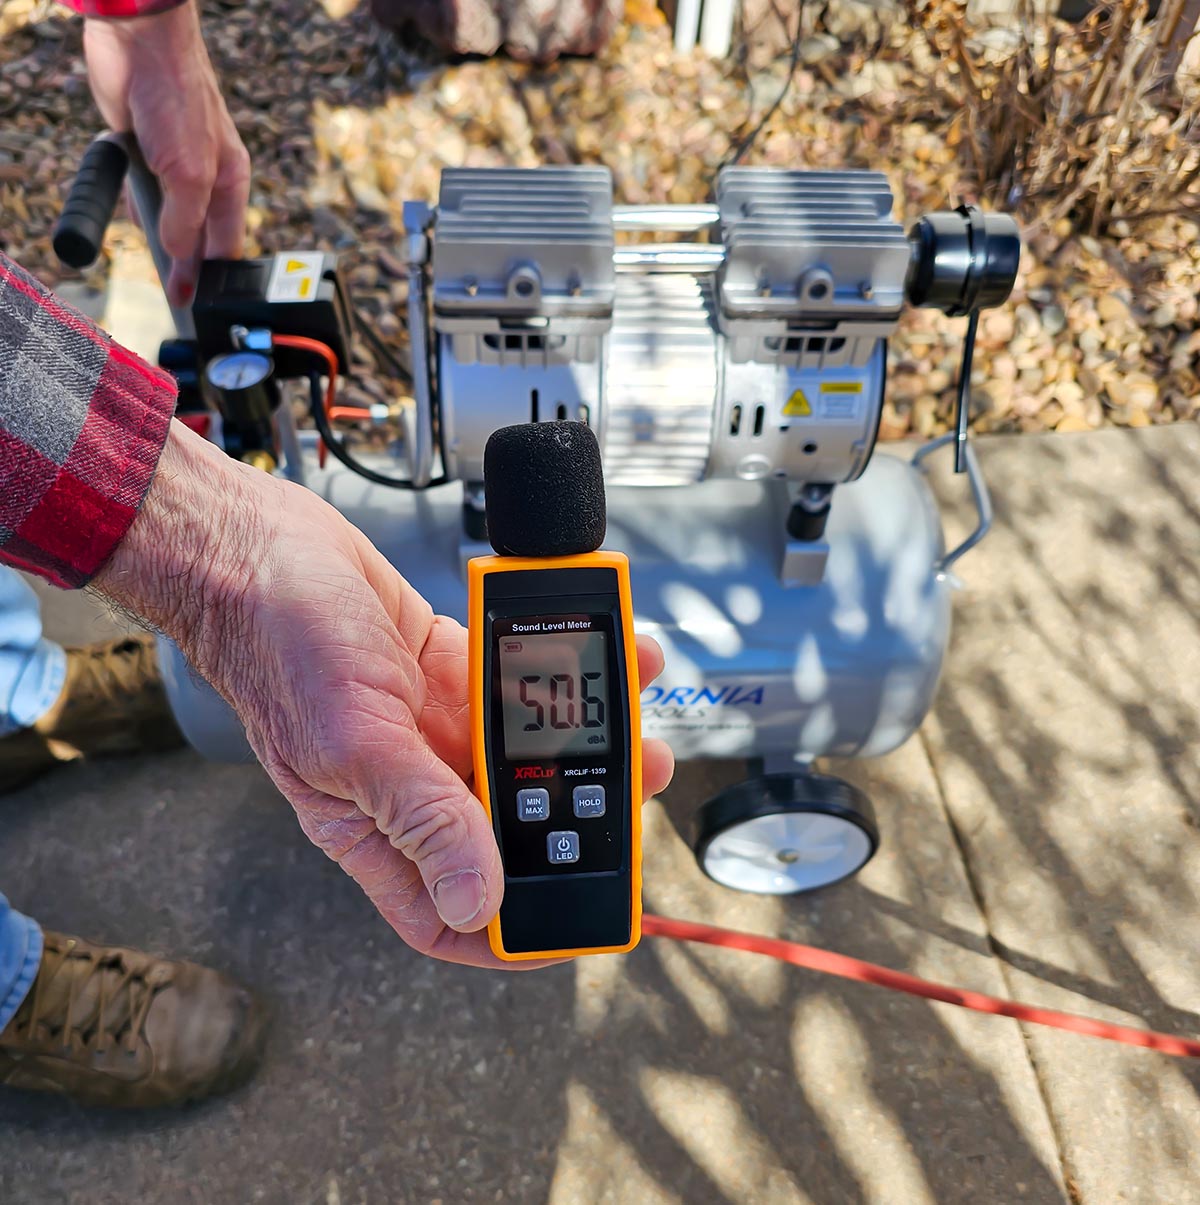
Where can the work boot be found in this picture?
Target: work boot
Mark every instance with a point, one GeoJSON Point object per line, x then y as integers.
{"type": "Point", "coordinates": [111, 702]}
{"type": "Point", "coordinates": [110, 1026]}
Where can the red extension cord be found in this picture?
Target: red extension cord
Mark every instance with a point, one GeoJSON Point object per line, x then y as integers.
{"type": "Point", "coordinates": [829, 963]}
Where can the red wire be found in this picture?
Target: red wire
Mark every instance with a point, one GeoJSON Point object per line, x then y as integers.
{"type": "Point", "coordinates": [301, 343]}
{"type": "Point", "coordinates": [829, 963]}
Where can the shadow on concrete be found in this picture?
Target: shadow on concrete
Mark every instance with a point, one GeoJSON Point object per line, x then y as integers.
{"type": "Point", "coordinates": [391, 1077]}
{"type": "Point", "coordinates": [1065, 737]}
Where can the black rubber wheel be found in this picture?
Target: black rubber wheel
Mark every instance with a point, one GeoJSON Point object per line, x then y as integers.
{"type": "Point", "coordinates": [783, 834]}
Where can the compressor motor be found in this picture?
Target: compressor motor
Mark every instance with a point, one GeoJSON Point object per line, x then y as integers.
{"type": "Point", "coordinates": [759, 354]}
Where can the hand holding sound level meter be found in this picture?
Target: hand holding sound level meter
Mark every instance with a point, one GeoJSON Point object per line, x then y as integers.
{"type": "Point", "coordinates": [555, 727]}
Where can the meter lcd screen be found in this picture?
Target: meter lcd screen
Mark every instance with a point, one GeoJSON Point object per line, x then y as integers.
{"type": "Point", "coordinates": [554, 688]}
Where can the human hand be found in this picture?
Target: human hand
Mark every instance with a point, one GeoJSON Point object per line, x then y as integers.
{"type": "Point", "coordinates": [152, 75]}
{"type": "Point", "coordinates": [353, 693]}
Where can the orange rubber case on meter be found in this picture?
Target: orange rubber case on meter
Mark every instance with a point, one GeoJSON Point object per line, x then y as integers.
{"type": "Point", "coordinates": [478, 571]}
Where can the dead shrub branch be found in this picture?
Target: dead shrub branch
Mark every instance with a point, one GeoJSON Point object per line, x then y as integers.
{"type": "Point", "coordinates": [1090, 123]}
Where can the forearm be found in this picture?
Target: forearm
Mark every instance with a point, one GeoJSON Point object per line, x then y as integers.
{"type": "Point", "coordinates": [193, 559]}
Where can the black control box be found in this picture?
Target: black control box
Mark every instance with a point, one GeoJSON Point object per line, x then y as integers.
{"type": "Point", "coordinates": [292, 293]}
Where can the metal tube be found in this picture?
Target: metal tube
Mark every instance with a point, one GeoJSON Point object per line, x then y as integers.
{"type": "Point", "coordinates": [678, 218]}
{"type": "Point", "coordinates": [289, 441]}
{"type": "Point", "coordinates": [687, 25]}
{"type": "Point", "coordinates": [964, 394]}
{"type": "Point", "coordinates": [419, 433]}
{"type": "Point", "coordinates": [716, 27]}
{"type": "Point", "coordinates": [979, 493]}
{"type": "Point", "coordinates": [147, 200]}
{"type": "Point", "coordinates": [695, 258]}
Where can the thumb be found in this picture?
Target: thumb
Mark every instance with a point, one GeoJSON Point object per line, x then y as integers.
{"type": "Point", "coordinates": [426, 812]}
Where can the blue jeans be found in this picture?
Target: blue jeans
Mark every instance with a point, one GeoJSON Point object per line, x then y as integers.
{"type": "Point", "coordinates": [20, 957]}
{"type": "Point", "coordinates": [32, 672]}
{"type": "Point", "coordinates": [32, 669]}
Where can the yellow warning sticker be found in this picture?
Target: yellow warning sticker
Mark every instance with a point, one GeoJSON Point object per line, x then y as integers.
{"type": "Point", "coordinates": [841, 387]}
{"type": "Point", "coordinates": [294, 276]}
{"type": "Point", "coordinates": [797, 406]}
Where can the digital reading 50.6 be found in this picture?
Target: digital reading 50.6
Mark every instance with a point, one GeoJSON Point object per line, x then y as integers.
{"type": "Point", "coordinates": [554, 688]}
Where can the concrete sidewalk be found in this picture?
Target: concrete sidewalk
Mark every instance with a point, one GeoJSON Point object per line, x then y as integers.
{"type": "Point", "coordinates": [1040, 838]}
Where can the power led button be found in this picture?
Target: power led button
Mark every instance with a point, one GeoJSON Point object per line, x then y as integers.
{"type": "Point", "coordinates": [562, 847]}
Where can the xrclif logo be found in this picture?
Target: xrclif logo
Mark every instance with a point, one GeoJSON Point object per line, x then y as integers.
{"type": "Point", "coordinates": [693, 702]}
{"type": "Point", "coordinates": [535, 772]}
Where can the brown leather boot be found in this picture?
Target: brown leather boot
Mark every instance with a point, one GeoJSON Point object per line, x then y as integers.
{"type": "Point", "coordinates": [110, 1026]}
{"type": "Point", "coordinates": [112, 702]}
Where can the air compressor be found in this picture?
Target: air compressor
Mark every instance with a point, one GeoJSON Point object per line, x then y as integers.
{"type": "Point", "coordinates": [730, 359]}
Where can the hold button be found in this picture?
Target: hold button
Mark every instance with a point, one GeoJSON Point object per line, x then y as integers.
{"type": "Point", "coordinates": [588, 801]}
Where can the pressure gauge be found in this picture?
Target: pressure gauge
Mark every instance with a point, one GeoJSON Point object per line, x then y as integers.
{"type": "Point", "coordinates": [242, 387]}
{"type": "Point", "coordinates": [238, 370]}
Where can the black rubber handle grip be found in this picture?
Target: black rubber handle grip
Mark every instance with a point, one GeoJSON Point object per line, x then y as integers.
{"type": "Point", "coordinates": [89, 208]}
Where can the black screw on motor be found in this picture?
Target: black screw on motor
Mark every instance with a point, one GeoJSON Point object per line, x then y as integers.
{"type": "Point", "coordinates": [810, 511]}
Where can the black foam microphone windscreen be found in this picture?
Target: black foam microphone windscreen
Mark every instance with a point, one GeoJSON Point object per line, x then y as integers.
{"type": "Point", "coordinates": [544, 489]}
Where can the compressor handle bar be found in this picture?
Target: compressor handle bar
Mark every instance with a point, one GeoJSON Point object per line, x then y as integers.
{"type": "Point", "coordinates": [696, 259]}
{"type": "Point", "coordinates": [147, 201]}
{"type": "Point", "coordinates": [95, 191]}
{"type": "Point", "coordinates": [110, 161]}
{"type": "Point", "coordinates": [419, 423]}
{"type": "Point", "coordinates": [681, 219]}
{"type": "Point", "coordinates": [979, 492]}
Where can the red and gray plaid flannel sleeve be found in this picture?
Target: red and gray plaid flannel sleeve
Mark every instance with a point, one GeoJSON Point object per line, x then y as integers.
{"type": "Point", "coordinates": [121, 8]}
{"type": "Point", "coordinates": [82, 424]}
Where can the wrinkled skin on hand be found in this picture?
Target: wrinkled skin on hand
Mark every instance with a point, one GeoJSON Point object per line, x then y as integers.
{"type": "Point", "coordinates": [353, 692]}
{"type": "Point", "coordinates": [152, 75]}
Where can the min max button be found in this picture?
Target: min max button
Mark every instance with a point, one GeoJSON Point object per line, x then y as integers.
{"type": "Point", "coordinates": [533, 804]}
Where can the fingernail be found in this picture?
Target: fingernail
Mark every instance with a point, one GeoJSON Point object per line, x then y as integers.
{"type": "Point", "coordinates": [185, 293]}
{"type": "Point", "coordinates": [459, 897]}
